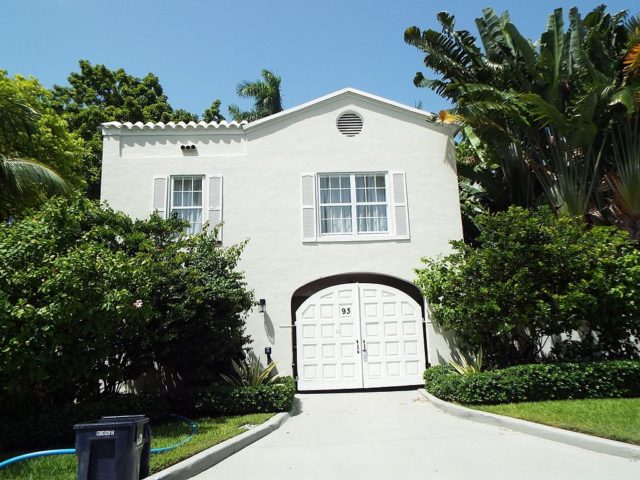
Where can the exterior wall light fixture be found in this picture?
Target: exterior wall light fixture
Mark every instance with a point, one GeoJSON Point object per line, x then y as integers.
{"type": "Point", "coordinates": [262, 305]}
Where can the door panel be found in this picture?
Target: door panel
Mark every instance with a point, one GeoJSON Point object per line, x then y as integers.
{"type": "Point", "coordinates": [359, 336]}
{"type": "Point", "coordinates": [328, 340]}
{"type": "Point", "coordinates": [393, 344]}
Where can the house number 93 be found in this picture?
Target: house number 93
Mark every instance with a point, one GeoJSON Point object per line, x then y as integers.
{"type": "Point", "coordinates": [345, 310]}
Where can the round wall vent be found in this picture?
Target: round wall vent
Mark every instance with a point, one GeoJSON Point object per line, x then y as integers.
{"type": "Point", "coordinates": [350, 124]}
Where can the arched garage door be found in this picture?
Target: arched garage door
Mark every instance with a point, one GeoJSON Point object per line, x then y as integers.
{"type": "Point", "coordinates": [359, 335]}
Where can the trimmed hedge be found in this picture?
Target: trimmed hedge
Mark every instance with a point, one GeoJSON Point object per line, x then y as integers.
{"type": "Point", "coordinates": [222, 399]}
{"type": "Point", "coordinates": [53, 426]}
{"type": "Point", "coordinates": [537, 382]}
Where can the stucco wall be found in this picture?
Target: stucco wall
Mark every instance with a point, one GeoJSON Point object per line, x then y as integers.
{"type": "Point", "coordinates": [261, 167]}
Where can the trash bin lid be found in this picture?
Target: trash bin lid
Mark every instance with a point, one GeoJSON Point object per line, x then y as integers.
{"type": "Point", "coordinates": [124, 418]}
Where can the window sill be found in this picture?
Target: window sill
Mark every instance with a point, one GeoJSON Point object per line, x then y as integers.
{"type": "Point", "coordinates": [357, 238]}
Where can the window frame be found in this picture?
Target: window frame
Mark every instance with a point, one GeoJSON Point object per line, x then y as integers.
{"type": "Point", "coordinates": [173, 208]}
{"type": "Point", "coordinates": [355, 234]}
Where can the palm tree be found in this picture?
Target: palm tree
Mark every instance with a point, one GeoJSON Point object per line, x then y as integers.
{"type": "Point", "coordinates": [542, 112]}
{"type": "Point", "coordinates": [266, 95]}
{"type": "Point", "coordinates": [21, 177]}
{"type": "Point", "coordinates": [624, 181]}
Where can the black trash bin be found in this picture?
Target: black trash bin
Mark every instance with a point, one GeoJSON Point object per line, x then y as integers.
{"type": "Point", "coordinates": [146, 446]}
{"type": "Point", "coordinates": [113, 448]}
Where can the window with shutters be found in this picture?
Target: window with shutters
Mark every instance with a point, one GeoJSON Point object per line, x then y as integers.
{"type": "Point", "coordinates": [186, 200]}
{"type": "Point", "coordinates": [354, 206]}
{"type": "Point", "coordinates": [353, 203]}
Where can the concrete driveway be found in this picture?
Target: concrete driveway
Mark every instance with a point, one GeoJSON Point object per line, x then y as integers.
{"type": "Point", "coordinates": [399, 435]}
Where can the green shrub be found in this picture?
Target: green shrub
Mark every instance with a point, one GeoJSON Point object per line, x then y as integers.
{"type": "Point", "coordinates": [224, 399]}
{"type": "Point", "coordinates": [53, 426]}
{"type": "Point", "coordinates": [90, 299]}
{"type": "Point", "coordinates": [535, 275]}
{"type": "Point", "coordinates": [536, 382]}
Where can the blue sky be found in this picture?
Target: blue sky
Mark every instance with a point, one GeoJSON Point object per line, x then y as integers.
{"type": "Point", "coordinates": [201, 49]}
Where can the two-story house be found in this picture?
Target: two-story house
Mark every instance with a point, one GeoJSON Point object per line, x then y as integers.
{"type": "Point", "coordinates": [339, 198]}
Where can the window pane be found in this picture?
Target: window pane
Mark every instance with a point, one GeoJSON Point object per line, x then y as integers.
{"type": "Point", "coordinates": [335, 196]}
{"type": "Point", "coordinates": [177, 184]}
{"type": "Point", "coordinates": [379, 181]}
{"type": "Point", "coordinates": [381, 195]}
{"type": "Point", "coordinates": [335, 182]}
{"type": "Point", "coordinates": [187, 199]}
{"type": "Point", "coordinates": [324, 196]}
{"type": "Point", "coordinates": [360, 195]}
{"type": "Point", "coordinates": [359, 181]}
{"type": "Point", "coordinates": [344, 181]}
{"type": "Point", "coordinates": [193, 216]}
{"type": "Point", "coordinates": [371, 195]}
{"type": "Point", "coordinates": [197, 184]}
{"type": "Point", "coordinates": [372, 218]}
{"type": "Point", "coordinates": [370, 181]}
{"type": "Point", "coordinates": [345, 196]}
{"type": "Point", "coordinates": [335, 212]}
{"type": "Point", "coordinates": [324, 182]}
{"type": "Point", "coordinates": [197, 199]}
{"type": "Point", "coordinates": [187, 184]}
{"type": "Point", "coordinates": [335, 219]}
{"type": "Point", "coordinates": [177, 199]}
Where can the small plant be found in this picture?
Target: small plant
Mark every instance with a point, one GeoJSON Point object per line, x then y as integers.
{"type": "Point", "coordinates": [249, 373]}
{"type": "Point", "coordinates": [468, 367]}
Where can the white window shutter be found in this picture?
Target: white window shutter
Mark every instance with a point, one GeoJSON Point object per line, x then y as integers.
{"type": "Point", "coordinates": [160, 185]}
{"type": "Point", "coordinates": [215, 203]}
{"type": "Point", "coordinates": [400, 208]}
{"type": "Point", "coordinates": [308, 197]}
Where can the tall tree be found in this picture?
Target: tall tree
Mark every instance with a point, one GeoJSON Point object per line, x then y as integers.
{"type": "Point", "coordinates": [266, 96]}
{"type": "Point", "coordinates": [542, 112]}
{"type": "Point", "coordinates": [97, 94]}
{"type": "Point", "coordinates": [38, 156]}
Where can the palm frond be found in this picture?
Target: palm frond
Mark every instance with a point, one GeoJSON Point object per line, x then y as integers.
{"type": "Point", "coordinates": [632, 60]}
{"type": "Point", "coordinates": [22, 177]}
{"type": "Point", "coordinates": [551, 54]}
{"type": "Point", "coordinates": [632, 27]}
{"type": "Point", "coordinates": [567, 174]}
{"type": "Point", "coordinates": [468, 366]}
{"type": "Point", "coordinates": [493, 40]}
{"type": "Point", "coordinates": [523, 47]}
{"type": "Point", "coordinates": [412, 36]}
{"type": "Point", "coordinates": [625, 181]}
{"type": "Point", "coordinates": [544, 112]}
{"type": "Point", "coordinates": [250, 373]}
{"type": "Point", "coordinates": [624, 96]}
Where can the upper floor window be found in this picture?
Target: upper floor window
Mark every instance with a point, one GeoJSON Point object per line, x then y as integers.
{"type": "Point", "coordinates": [355, 201]}
{"type": "Point", "coordinates": [186, 200]}
{"type": "Point", "coordinates": [358, 206]}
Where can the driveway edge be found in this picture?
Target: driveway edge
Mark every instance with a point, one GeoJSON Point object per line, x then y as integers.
{"type": "Point", "coordinates": [208, 458]}
{"type": "Point", "coordinates": [582, 440]}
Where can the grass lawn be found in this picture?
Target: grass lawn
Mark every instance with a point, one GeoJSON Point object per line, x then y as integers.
{"type": "Point", "coordinates": [617, 419]}
{"type": "Point", "coordinates": [210, 432]}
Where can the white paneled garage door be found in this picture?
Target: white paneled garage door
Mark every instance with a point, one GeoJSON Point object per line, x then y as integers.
{"type": "Point", "coordinates": [359, 335]}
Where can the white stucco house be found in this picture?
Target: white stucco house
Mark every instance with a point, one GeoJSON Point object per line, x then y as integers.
{"type": "Point", "coordinates": [339, 198]}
